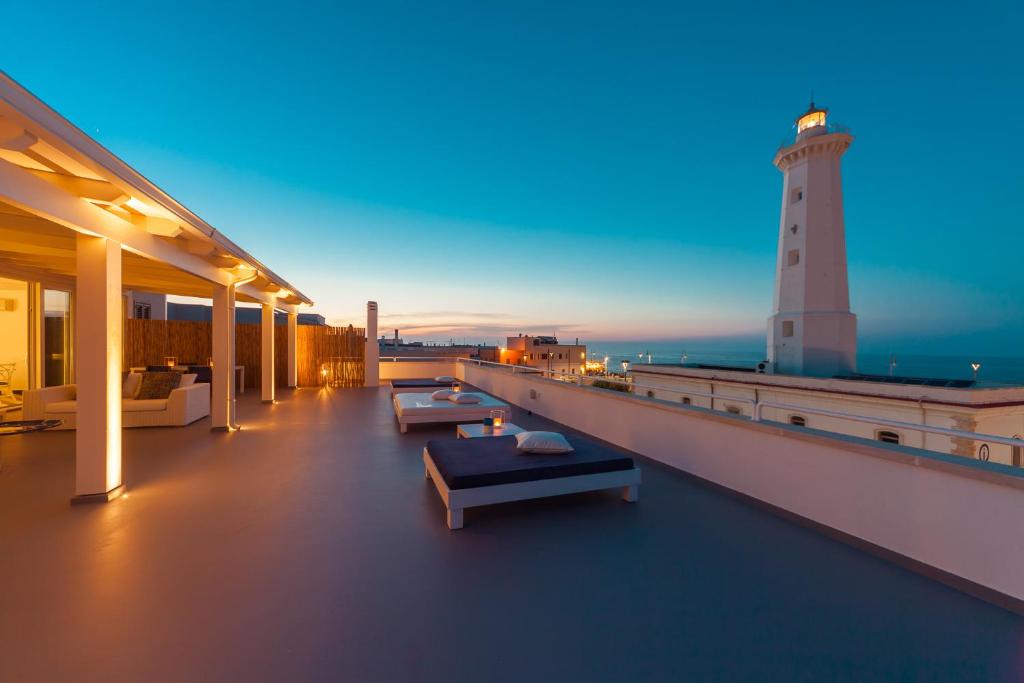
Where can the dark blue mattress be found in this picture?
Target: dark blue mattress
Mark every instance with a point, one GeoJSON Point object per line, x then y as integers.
{"type": "Point", "coordinates": [420, 384]}
{"type": "Point", "coordinates": [493, 460]}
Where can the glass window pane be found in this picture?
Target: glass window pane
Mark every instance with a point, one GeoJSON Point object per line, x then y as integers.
{"type": "Point", "coordinates": [56, 338]}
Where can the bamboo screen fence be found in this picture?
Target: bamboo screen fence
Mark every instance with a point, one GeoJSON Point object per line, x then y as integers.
{"type": "Point", "coordinates": [326, 356]}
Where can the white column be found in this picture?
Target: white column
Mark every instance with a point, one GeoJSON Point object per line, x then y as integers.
{"type": "Point", "coordinates": [267, 353]}
{"type": "Point", "coordinates": [222, 399]}
{"type": "Point", "coordinates": [35, 332]}
{"type": "Point", "coordinates": [293, 359]}
{"type": "Point", "coordinates": [98, 353]}
{"type": "Point", "coordinates": [372, 354]}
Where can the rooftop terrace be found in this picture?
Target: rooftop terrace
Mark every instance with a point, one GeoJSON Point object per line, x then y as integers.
{"type": "Point", "coordinates": [309, 546]}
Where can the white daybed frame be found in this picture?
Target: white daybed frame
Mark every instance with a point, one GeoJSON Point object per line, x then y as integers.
{"type": "Point", "coordinates": [467, 412]}
{"type": "Point", "coordinates": [456, 500]}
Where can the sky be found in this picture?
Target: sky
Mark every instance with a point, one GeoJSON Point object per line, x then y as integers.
{"type": "Point", "coordinates": [591, 169]}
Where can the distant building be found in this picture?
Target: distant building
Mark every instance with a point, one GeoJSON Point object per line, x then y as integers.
{"type": "Point", "coordinates": [204, 313]}
{"type": "Point", "coordinates": [145, 305]}
{"type": "Point", "coordinates": [545, 353]}
{"type": "Point", "coordinates": [395, 346]}
{"type": "Point", "coordinates": [953, 404]}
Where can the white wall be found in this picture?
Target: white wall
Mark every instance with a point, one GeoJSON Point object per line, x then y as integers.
{"type": "Point", "coordinates": [415, 369]}
{"type": "Point", "coordinates": [157, 303]}
{"type": "Point", "coordinates": [954, 517]}
{"type": "Point", "coordinates": [14, 331]}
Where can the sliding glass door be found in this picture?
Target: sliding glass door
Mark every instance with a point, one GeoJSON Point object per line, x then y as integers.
{"type": "Point", "coordinates": [56, 337]}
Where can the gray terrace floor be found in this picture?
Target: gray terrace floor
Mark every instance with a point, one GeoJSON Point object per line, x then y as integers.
{"type": "Point", "coordinates": [308, 546]}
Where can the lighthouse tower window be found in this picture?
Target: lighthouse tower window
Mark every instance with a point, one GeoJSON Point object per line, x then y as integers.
{"type": "Point", "coordinates": [796, 195]}
{"type": "Point", "coordinates": [793, 257]}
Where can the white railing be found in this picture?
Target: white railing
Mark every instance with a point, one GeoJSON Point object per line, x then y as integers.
{"type": "Point", "coordinates": [589, 380]}
{"type": "Point", "coordinates": [757, 406]}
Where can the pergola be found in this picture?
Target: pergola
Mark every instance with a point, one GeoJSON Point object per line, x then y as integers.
{"type": "Point", "coordinates": [74, 215]}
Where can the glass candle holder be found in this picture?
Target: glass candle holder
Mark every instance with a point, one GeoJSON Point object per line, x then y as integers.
{"type": "Point", "coordinates": [456, 388]}
{"type": "Point", "coordinates": [497, 417]}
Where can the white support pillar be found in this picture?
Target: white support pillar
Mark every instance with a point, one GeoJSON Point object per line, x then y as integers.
{"type": "Point", "coordinates": [222, 400]}
{"type": "Point", "coordinates": [35, 335]}
{"type": "Point", "coordinates": [267, 353]}
{"type": "Point", "coordinates": [293, 359]}
{"type": "Point", "coordinates": [98, 351]}
{"type": "Point", "coordinates": [372, 355]}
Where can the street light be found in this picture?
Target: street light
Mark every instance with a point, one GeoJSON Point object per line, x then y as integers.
{"type": "Point", "coordinates": [975, 367]}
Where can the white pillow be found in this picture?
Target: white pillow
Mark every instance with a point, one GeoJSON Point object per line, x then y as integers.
{"type": "Point", "coordinates": [131, 385]}
{"type": "Point", "coordinates": [462, 398]}
{"type": "Point", "coordinates": [444, 379]}
{"type": "Point", "coordinates": [542, 442]}
{"type": "Point", "coordinates": [187, 380]}
{"type": "Point", "coordinates": [442, 394]}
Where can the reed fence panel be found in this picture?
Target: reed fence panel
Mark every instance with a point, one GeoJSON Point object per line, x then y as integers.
{"type": "Point", "coordinates": [325, 356]}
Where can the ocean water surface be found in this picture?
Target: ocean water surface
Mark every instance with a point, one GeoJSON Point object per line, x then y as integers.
{"type": "Point", "coordinates": [994, 369]}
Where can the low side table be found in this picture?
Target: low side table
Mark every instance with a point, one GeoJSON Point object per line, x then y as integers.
{"type": "Point", "coordinates": [26, 426]}
{"type": "Point", "coordinates": [476, 430]}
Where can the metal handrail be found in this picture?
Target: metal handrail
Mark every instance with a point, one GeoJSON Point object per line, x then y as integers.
{"type": "Point", "coordinates": [759, 405]}
{"type": "Point", "coordinates": [895, 424]}
{"type": "Point", "coordinates": [396, 359]}
{"type": "Point", "coordinates": [581, 379]}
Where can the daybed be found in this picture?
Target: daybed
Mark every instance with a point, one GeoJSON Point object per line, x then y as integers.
{"type": "Point", "coordinates": [421, 409]}
{"type": "Point", "coordinates": [473, 472]}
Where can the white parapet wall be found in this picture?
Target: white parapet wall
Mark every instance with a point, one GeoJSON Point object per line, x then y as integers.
{"type": "Point", "coordinates": [937, 511]}
{"type": "Point", "coordinates": [415, 368]}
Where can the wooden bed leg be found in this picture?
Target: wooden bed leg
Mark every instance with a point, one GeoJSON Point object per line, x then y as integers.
{"type": "Point", "coordinates": [630, 494]}
{"type": "Point", "coordinates": [426, 471]}
{"type": "Point", "coordinates": [402, 427]}
{"type": "Point", "coordinates": [454, 518]}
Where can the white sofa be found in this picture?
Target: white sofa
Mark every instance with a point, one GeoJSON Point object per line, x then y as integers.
{"type": "Point", "coordinates": [184, 406]}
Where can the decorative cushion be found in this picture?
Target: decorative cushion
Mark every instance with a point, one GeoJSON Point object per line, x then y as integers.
{"type": "Point", "coordinates": [442, 394]}
{"type": "Point", "coordinates": [444, 379]}
{"type": "Point", "coordinates": [463, 399]}
{"type": "Point", "coordinates": [157, 385]}
{"type": "Point", "coordinates": [131, 385]}
{"type": "Point", "coordinates": [542, 442]}
{"type": "Point", "coordinates": [187, 380]}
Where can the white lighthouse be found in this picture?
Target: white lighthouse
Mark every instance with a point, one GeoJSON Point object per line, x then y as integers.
{"type": "Point", "coordinates": [811, 330]}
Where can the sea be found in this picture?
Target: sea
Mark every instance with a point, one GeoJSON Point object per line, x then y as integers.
{"type": "Point", "coordinates": [994, 370]}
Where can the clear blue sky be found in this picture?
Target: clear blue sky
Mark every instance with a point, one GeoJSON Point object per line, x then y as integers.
{"type": "Point", "coordinates": [597, 169]}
